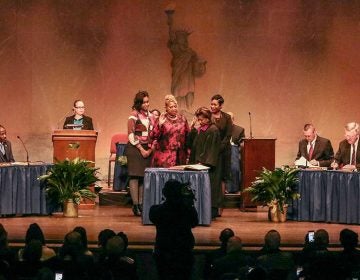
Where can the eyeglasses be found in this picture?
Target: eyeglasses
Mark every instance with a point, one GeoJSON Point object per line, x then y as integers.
{"type": "Point", "coordinates": [80, 107]}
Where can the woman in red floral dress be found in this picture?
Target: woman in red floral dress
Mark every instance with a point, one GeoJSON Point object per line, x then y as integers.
{"type": "Point", "coordinates": [169, 136]}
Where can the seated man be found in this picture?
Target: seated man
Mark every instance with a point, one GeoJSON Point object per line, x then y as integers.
{"type": "Point", "coordinates": [348, 154]}
{"type": "Point", "coordinates": [317, 150]}
{"type": "Point", "coordinates": [6, 154]}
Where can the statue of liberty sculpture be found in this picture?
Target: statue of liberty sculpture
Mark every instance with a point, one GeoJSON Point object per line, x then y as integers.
{"type": "Point", "coordinates": [186, 64]}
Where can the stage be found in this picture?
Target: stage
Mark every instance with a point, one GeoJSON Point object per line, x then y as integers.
{"type": "Point", "coordinates": [250, 226]}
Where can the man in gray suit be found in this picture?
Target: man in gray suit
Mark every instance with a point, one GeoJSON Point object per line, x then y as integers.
{"type": "Point", "coordinates": [6, 154]}
{"type": "Point", "coordinates": [348, 154]}
{"type": "Point", "coordinates": [317, 150]}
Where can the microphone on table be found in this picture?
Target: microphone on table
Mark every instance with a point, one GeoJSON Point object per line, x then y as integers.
{"type": "Point", "coordinates": [27, 153]}
{"type": "Point", "coordinates": [250, 126]}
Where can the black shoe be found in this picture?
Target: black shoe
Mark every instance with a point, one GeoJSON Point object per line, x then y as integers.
{"type": "Point", "coordinates": [136, 210]}
{"type": "Point", "coordinates": [140, 207]}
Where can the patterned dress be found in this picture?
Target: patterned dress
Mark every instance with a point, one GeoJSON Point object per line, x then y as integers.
{"type": "Point", "coordinates": [169, 140]}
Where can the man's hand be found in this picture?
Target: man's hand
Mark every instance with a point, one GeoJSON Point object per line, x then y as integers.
{"type": "Point", "coordinates": [314, 162]}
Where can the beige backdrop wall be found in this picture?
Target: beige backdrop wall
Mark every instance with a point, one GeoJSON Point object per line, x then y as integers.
{"type": "Point", "coordinates": [287, 62]}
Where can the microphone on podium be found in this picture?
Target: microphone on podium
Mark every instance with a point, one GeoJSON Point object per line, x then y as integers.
{"type": "Point", "coordinates": [27, 153]}
{"type": "Point", "coordinates": [63, 118]}
{"type": "Point", "coordinates": [251, 136]}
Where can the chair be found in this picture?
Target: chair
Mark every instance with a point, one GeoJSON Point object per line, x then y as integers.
{"type": "Point", "coordinates": [116, 138]}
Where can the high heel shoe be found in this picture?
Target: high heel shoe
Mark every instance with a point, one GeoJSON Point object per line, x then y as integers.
{"type": "Point", "coordinates": [136, 210]}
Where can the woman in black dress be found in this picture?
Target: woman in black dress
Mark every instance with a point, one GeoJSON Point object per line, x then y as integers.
{"type": "Point", "coordinates": [204, 141]}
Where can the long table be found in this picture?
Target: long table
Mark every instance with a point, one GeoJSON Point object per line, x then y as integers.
{"type": "Point", "coordinates": [20, 190]}
{"type": "Point", "coordinates": [327, 196]}
{"type": "Point", "coordinates": [155, 179]}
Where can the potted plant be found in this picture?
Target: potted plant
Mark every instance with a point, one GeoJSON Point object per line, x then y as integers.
{"type": "Point", "coordinates": [67, 184]}
{"type": "Point", "coordinates": [275, 189]}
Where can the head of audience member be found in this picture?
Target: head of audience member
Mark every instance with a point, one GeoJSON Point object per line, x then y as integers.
{"type": "Point", "coordinates": [225, 235]}
{"type": "Point", "coordinates": [321, 238]}
{"type": "Point", "coordinates": [234, 244]}
{"type": "Point", "coordinates": [34, 232]}
{"type": "Point", "coordinates": [115, 247]}
{"type": "Point", "coordinates": [104, 236]}
{"type": "Point", "coordinates": [203, 116]}
{"type": "Point", "coordinates": [216, 104]}
{"type": "Point", "coordinates": [172, 192]}
{"type": "Point", "coordinates": [83, 235]}
{"type": "Point", "coordinates": [72, 245]}
{"type": "Point", "coordinates": [156, 113]}
{"type": "Point", "coordinates": [349, 239]}
{"type": "Point", "coordinates": [272, 240]}
{"type": "Point", "coordinates": [351, 132]}
{"type": "Point", "coordinates": [33, 251]}
{"type": "Point", "coordinates": [125, 239]}
{"type": "Point", "coordinates": [171, 106]}
{"type": "Point", "coordinates": [79, 108]}
{"type": "Point", "coordinates": [2, 134]}
{"type": "Point", "coordinates": [141, 101]}
{"type": "Point", "coordinates": [309, 132]}
{"type": "Point", "coordinates": [3, 237]}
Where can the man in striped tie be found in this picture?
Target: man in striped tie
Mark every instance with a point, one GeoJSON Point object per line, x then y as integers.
{"type": "Point", "coordinates": [348, 154]}
{"type": "Point", "coordinates": [317, 150]}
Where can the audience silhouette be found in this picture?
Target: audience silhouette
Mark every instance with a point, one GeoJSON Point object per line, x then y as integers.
{"type": "Point", "coordinates": [174, 256]}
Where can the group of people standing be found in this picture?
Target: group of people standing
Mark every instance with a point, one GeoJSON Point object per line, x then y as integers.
{"type": "Point", "coordinates": [170, 140]}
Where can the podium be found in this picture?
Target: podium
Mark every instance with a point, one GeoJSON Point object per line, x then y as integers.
{"type": "Point", "coordinates": [71, 144]}
{"type": "Point", "coordinates": [256, 154]}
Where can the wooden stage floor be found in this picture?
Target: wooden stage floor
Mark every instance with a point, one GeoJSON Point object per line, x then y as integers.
{"type": "Point", "coordinates": [250, 226]}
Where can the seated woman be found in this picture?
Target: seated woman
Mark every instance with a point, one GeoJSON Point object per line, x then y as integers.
{"type": "Point", "coordinates": [78, 121]}
{"type": "Point", "coordinates": [169, 136]}
{"type": "Point", "coordinates": [34, 232]}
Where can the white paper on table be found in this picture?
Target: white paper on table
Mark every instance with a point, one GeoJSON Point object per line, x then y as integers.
{"type": "Point", "coordinates": [303, 162]}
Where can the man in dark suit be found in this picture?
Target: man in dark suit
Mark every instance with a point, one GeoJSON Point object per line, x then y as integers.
{"type": "Point", "coordinates": [317, 150]}
{"type": "Point", "coordinates": [237, 136]}
{"type": "Point", "coordinates": [348, 154]}
{"type": "Point", "coordinates": [6, 154]}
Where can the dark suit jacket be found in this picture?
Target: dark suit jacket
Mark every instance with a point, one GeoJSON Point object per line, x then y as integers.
{"type": "Point", "coordinates": [87, 122]}
{"type": "Point", "coordinates": [342, 156]}
{"type": "Point", "coordinates": [237, 134]}
{"type": "Point", "coordinates": [8, 157]}
{"type": "Point", "coordinates": [323, 151]}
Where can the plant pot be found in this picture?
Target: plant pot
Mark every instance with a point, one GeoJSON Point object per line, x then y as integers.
{"type": "Point", "coordinates": [70, 209]}
{"type": "Point", "coordinates": [275, 215]}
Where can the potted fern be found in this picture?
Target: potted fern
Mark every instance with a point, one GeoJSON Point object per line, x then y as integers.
{"type": "Point", "coordinates": [275, 189]}
{"type": "Point", "coordinates": [67, 184]}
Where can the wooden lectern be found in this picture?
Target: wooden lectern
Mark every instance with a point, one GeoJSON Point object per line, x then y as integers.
{"type": "Point", "coordinates": [69, 143]}
{"type": "Point", "coordinates": [255, 154]}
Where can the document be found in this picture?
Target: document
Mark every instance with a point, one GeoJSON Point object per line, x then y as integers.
{"type": "Point", "coordinates": [195, 167]}
{"type": "Point", "coordinates": [304, 162]}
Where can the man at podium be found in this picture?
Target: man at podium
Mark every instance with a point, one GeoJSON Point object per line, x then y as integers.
{"type": "Point", "coordinates": [78, 121]}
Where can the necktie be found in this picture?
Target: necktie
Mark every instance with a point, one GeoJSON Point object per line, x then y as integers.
{"type": "Point", "coordinates": [353, 155]}
{"type": "Point", "coordinates": [311, 150]}
{"type": "Point", "coordinates": [2, 148]}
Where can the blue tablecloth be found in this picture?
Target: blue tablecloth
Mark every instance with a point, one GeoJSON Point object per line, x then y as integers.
{"type": "Point", "coordinates": [120, 172]}
{"type": "Point", "coordinates": [327, 196]}
{"type": "Point", "coordinates": [233, 184]}
{"type": "Point", "coordinates": [20, 191]}
{"type": "Point", "coordinates": [155, 179]}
